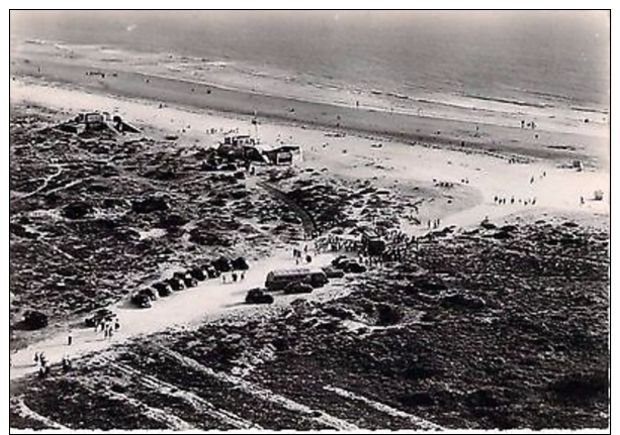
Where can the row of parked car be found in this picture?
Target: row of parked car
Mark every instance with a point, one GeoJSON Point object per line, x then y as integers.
{"type": "Point", "coordinates": [302, 280]}
{"type": "Point", "coordinates": [182, 280]}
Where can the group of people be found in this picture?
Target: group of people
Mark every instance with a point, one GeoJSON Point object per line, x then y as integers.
{"type": "Point", "coordinates": [336, 243]}
{"type": "Point", "coordinates": [528, 124]}
{"type": "Point", "coordinates": [503, 200]}
{"type": "Point", "coordinates": [299, 256]}
{"type": "Point", "coordinates": [108, 327]}
{"type": "Point", "coordinates": [234, 277]}
{"type": "Point", "coordinates": [41, 362]}
{"type": "Point", "coordinates": [433, 223]}
{"type": "Point", "coordinates": [398, 245]}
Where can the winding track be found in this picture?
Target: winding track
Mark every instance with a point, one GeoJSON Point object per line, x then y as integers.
{"type": "Point", "coordinates": [306, 220]}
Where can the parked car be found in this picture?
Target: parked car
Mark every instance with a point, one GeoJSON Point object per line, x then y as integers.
{"type": "Point", "coordinates": [186, 278]}
{"type": "Point", "coordinates": [258, 296]}
{"type": "Point", "coordinates": [199, 273]}
{"type": "Point", "coordinates": [339, 261]}
{"type": "Point", "coordinates": [354, 267]}
{"type": "Point", "coordinates": [162, 288]}
{"type": "Point", "coordinates": [222, 264]}
{"type": "Point", "coordinates": [348, 264]}
{"type": "Point", "coordinates": [98, 317]}
{"type": "Point", "coordinates": [34, 320]}
{"type": "Point", "coordinates": [297, 287]}
{"type": "Point", "coordinates": [240, 263]}
{"type": "Point", "coordinates": [141, 300]}
{"type": "Point", "coordinates": [332, 272]}
{"type": "Point", "coordinates": [176, 283]}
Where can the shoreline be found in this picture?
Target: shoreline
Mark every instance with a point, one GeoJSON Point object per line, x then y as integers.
{"type": "Point", "coordinates": [476, 137]}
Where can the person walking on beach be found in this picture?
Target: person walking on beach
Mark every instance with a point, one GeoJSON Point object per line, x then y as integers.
{"type": "Point", "coordinates": [36, 358]}
{"type": "Point", "coordinates": [69, 339]}
{"type": "Point", "coordinates": [234, 277]}
{"type": "Point", "coordinates": [117, 325]}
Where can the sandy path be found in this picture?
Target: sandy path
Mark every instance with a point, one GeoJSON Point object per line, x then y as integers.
{"type": "Point", "coordinates": [180, 309]}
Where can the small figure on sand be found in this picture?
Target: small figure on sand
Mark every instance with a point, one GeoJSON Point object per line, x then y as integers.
{"type": "Point", "coordinates": [69, 339]}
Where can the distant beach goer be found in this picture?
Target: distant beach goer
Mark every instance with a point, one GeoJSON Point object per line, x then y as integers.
{"type": "Point", "coordinates": [234, 277]}
{"type": "Point", "coordinates": [117, 325]}
{"type": "Point", "coordinates": [69, 339]}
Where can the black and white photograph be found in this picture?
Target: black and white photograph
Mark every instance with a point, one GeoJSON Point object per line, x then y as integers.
{"type": "Point", "coordinates": [309, 220]}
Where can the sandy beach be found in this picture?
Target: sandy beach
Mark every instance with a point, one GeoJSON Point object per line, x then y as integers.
{"type": "Point", "coordinates": [494, 128]}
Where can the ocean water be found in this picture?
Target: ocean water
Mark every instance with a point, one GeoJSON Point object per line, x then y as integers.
{"type": "Point", "coordinates": [537, 58]}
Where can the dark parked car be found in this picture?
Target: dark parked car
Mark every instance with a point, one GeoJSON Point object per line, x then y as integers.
{"type": "Point", "coordinates": [176, 283]}
{"type": "Point", "coordinates": [332, 272]}
{"type": "Point", "coordinates": [149, 293]}
{"type": "Point", "coordinates": [339, 261]}
{"type": "Point", "coordinates": [348, 265]}
{"type": "Point", "coordinates": [240, 263]}
{"type": "Point", "coordinates": [212, 272]}
{"type": "Point", "coordinates": [354, 267]}
{"type": "Point", "coordinates": [163, 289]}
{"type": "Point", "coordinates": [258, 296]}
{"type": "Point", "coordinates": [186, 278]}
{"type": "Point", "coordinates": [141, 300]}
{"type": "Point", "coordinates": [98, 317]}
{"type": "Point", "coordinates": [298, 287]}
{"type": "Point", "coordinates": [199, 273]}
{"type": "Point", "coordinates": [34, 320]}
{"type": "Point", "coordinates": [223, 264]}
